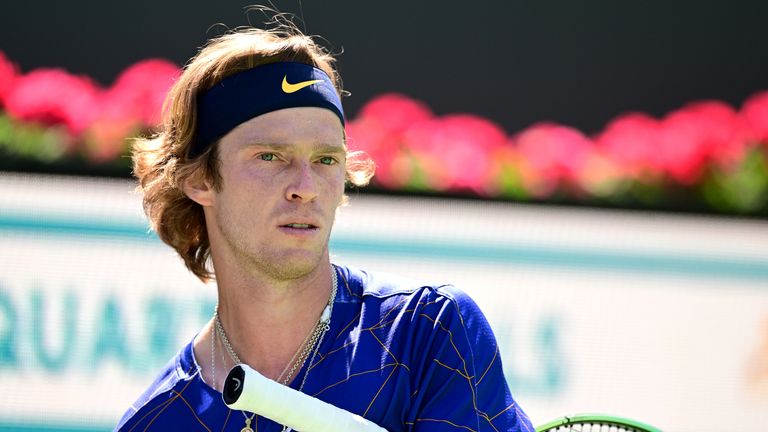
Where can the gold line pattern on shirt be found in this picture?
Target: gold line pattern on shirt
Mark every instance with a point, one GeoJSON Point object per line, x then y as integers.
{"type": "Point", "coordinates": [192, 410]}
{"type": "Point", "coordinates": [495, 354]}
{"type": "Point", "coordinates": [380, 389]}
{"type": "Point", "coordinates": [161, 408]}
{"type": "Point", "coordinates": [226, 420]}
{"type": "Point", "coordinates": [445, 421]}
{"type": "Point", "coordinates": [356, 374]}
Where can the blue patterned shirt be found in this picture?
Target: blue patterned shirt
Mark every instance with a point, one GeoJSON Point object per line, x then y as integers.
{"type": "Point", "coordinates": [405, 356]}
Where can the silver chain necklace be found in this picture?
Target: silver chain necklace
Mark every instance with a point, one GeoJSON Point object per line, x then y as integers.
{"type": "Point", "coordinates": [314, 337]}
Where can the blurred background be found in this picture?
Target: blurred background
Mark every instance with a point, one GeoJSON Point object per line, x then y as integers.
{"type": "Point", "coordinates": [594, 174]}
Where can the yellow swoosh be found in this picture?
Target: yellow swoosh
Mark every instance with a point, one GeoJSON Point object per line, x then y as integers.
{"type": "Point", "coordinates": [292, 88]}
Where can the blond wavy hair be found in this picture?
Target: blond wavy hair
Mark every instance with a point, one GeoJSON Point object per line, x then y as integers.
{"type": "Point", "coordinates": [160, 163]}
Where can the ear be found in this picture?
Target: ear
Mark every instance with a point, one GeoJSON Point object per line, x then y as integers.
{"type": "Point", "coordinates": [199, 190]}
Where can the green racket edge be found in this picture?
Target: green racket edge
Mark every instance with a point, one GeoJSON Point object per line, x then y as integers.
{"type": "Point", "coordinates": [597, 418]}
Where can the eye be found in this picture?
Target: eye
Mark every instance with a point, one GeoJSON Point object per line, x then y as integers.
{"type": "Point", "coordinates": [267, 157]}
{"type": "Point", "coordinates": [327, 160]}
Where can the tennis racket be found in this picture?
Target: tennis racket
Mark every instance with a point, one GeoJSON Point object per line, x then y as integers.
{"type": "Point", "coordinates": [595, 423]}
{"type": "Point", "coordinates": [247, 390]}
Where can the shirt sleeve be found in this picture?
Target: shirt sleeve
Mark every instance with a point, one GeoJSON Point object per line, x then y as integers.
{"type": "Point", "coordinates": [461, 384]}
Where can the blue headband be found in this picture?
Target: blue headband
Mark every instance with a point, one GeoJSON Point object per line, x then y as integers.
{"type": "Point", "coordinates": [271, 87]}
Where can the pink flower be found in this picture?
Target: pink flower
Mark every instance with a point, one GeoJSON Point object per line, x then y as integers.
{"type": "Point", "coordinates": [383, 147]}
{"type": "Point", "coordinates": [106, 138]}
{"type": "Point", "coordinates": [456, 150]}
{"type": "Point", "coordinates": [504, 178]}
{"type": "Point", "coordinates": [378, 131]}
{"type": "Point", "coordinates": [371, 137]}
{"type": "Point", "coordinates": [631, 142]}
{"type": "Point", "coordinates": [602, 176]}
{"type": "Point", "coordinates": [139, 91]}
{"type": "Point", "coordinates": [553, 156]}
{"type": "Point", "coordinates": [53, 96]}
{"type": "Point", "coordinates": [8, 74]}
{"type": "Point", "coordinates": [755, 112]}
{"type": "Point", "coordinates": [395, 112]}
{"type": "Point", "coordinates": [700, 133]}
{"type": "Point", "coordinates": [132, 103]}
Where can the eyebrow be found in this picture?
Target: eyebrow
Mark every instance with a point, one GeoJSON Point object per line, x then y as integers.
{"type": "Point", "coordinates": [319, 148]}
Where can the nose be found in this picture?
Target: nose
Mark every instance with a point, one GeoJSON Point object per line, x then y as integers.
{"type": "Point", "coordinates": [303, 185]}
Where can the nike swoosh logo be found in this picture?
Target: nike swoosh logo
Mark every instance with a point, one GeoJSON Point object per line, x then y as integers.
{"type": "Point", "coordinates": [293, 88]}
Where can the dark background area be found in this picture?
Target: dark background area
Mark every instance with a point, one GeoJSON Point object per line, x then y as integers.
{"type": "Point", "coordinates": [578, 63]}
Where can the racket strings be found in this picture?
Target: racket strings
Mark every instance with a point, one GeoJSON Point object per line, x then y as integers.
{"type": "Point", "coordinates": [594, 427]}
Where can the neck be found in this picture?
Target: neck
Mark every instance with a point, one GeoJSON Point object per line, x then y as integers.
{"type": "Point", "coordinates": [267, 320]}
{"type": "Point", "coordinates": [258, 301]}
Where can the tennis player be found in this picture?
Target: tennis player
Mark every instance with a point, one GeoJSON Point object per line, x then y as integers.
{"type": "Point", "coordinates": [243, 182]}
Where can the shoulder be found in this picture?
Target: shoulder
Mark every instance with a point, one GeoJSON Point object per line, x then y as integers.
{"type": "Point", "coordinates": [435, 299]}
{"type": "Point", "coordinates": [356, 285]}
{"type": "Point", "coordinates": [178, 372]}
{"type": "Point", "coordinates": [359, 283]}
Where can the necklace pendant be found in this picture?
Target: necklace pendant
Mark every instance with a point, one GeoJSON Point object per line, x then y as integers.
{"type": "Point", "coordinates": [247, 427]}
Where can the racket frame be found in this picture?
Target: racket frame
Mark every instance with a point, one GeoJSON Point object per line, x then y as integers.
{"type": "Point", "coordinates": [602, 419]}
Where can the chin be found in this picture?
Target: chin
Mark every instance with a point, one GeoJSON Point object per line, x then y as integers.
{"type": "Point", "coordinates": [292, 267]}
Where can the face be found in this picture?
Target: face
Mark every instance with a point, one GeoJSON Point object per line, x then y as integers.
{"type": "Point", "coordinates": [282, 181]}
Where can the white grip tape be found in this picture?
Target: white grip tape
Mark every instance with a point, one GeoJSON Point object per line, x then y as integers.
{"type": "Point", "coordinates": [295, 409]}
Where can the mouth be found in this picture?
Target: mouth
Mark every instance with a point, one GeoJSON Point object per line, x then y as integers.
{"type": "Point", "coordinates": [300, 229]}
{"type": "Point", "coordinates": [299, 226]}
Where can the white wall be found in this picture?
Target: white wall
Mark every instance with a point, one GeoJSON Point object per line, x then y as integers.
{"type": "Point", "coordinates": [657, 317]}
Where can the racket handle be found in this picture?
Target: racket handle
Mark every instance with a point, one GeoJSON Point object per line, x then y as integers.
{"type": "Point", "coordinates": [247, 390]}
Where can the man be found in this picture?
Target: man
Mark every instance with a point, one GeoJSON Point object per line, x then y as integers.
{"type": "Point", "coordinates": [244, 182]}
